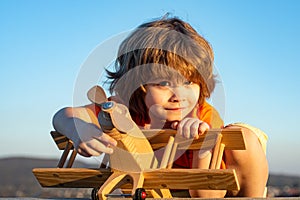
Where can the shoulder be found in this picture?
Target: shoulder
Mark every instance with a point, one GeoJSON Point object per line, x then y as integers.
{"type": "Point", "coordinates": [206, 109]}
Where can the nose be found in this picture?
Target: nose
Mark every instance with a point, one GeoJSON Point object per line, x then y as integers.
{"type": "Point", "coordinates": [177, 94]}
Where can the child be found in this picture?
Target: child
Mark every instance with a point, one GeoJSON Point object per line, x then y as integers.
{"type": "Point", "coordinates": [164, 74]}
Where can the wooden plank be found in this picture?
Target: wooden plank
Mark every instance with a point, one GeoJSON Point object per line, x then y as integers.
{"type": "Point", "coordinates": [232, 138]}
{"type": "Point", "coordinates": [198, 198]}
{"type": "Point", "coordinates": [72, 159]}
{"type": "Point", "coordinates": [157, 179]}
{"type": "Point", "coordinates": [167, 153]}
{"type": "Point", "coordinates": [215, 154]}
{"type": "Point", "coordinates": [220, 156]}
{"type": "Point", "coordinates": [210, 179]}
{"type": "Point", "coordinates": [150, 198]}
{"type": "Point", "coordinates": [133, 152]}
{"type": "Point", "coordinates": [71, 177]}
{"type": "Point", "coordinates": [65, 154]}
{"type": "Point", "coordinates": [60, 140]}
{"type": "Point", "coordinates": [205, 142]}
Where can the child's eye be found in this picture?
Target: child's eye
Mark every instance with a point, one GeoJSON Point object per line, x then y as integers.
{"type": "Point", "coordinates": [188, 83]}
{"type": "Point", "coordinates": [164, 83]}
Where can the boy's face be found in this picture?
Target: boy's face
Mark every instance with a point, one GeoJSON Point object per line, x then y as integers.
{"type": "Point", "coordinates": [170, 100]}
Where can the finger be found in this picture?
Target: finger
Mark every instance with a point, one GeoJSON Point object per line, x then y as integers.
{"type": "Point", "coordinates": [203, 127]}
{"type": "Point", "coordinates": [185, 127]}
{"type": "Point", "coordinates": [87, 149]}
{"type": "Point", "coordinates": [180, 126]}
{"type": "Point", "coordinates": [83, 153]}
{"type": "Point", "coordinates": [174, 125]}
{"type": "Point", "coordinates": [191, 128]}
{"type": "Point", "coordinates": [106, 139]}
{"type": "Point", "coordinates": [97, 147]}
{"type": "Point", "coordinates": [194, 129]}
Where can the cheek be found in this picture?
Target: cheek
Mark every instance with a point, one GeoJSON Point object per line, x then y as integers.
{"type": "Point", "coordinates": [194, 97]}
{"type": "Point", "coordinates": [195, 94]}
{"type": "Point", "coordinates": [154, 98]}
{"type": "Point", "coordinates": [158, 112]}
{"type": "Point", "coordinates": [149, 101]}
{"type": "Point", "coordinates": [154, 105]}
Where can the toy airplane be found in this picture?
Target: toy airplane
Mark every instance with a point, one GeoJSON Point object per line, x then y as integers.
{"type": "Point", "coordinates": [134, 166]}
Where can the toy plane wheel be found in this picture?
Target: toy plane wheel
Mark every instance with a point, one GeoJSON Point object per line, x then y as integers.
{"type": "Point", "coordinates": [94, 194]}
{"type": "Point", "coordinates": [140, 194]}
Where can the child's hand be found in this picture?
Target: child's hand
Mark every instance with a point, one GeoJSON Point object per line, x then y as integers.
{"type": "Point", "coordinates": [91, 141]}
{"type": "Point", "coordinates": [190, 127]}
{"type": "Point", "coordinates": [96, 146]}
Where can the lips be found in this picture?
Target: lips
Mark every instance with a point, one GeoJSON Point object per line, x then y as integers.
{"type": "Point", "coordinates": [175, 109]}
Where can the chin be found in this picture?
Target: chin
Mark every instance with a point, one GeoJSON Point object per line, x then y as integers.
{"type": "Point", "coordinates": [173, 118]}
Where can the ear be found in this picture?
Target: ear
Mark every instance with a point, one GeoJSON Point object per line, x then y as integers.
{"type": "Point", "coordinates": [97, 95]}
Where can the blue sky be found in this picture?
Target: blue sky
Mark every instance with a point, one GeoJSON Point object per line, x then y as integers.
{"type": "Point", "coordinates": [43, 45]}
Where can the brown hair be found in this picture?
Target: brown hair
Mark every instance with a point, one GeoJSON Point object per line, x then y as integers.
{"type": "Point", "coordinates": [158, 48]}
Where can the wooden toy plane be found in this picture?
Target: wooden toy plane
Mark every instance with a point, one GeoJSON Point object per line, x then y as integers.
{"type": "Point", "coordinates": [134, 167]}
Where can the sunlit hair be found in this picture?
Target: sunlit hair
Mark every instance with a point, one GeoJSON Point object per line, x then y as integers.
{"type": "Point", "coordinates": [164, 48]}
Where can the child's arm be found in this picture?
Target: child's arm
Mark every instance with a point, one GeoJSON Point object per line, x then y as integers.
{"type": "Point", "coordinates": [81, 125]}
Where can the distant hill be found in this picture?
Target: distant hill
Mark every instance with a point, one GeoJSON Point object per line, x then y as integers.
{"type": "Point", "coordinates": [17, 180]}
{"type": "Point", "coordinates": [278, 180]}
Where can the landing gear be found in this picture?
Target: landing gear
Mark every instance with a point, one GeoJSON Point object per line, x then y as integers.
{"type": "Point", "coordinates": [140, 194]}
{"type": "Point", "coordinates": [94, 194]}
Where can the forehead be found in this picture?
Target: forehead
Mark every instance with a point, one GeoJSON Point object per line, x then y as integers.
{"type": "Point", "coordinates": [157, 72]}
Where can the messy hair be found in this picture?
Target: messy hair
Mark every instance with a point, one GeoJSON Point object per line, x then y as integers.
{"type": "Point", "coordinates": [161, 48]}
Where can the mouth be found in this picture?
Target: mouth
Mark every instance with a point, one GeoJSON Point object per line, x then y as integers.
{"type": "Point", "coordinates": [175, 109]}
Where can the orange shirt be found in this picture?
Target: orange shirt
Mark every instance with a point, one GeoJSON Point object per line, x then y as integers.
{"type": "Point", "coordinates": [210, 115]}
